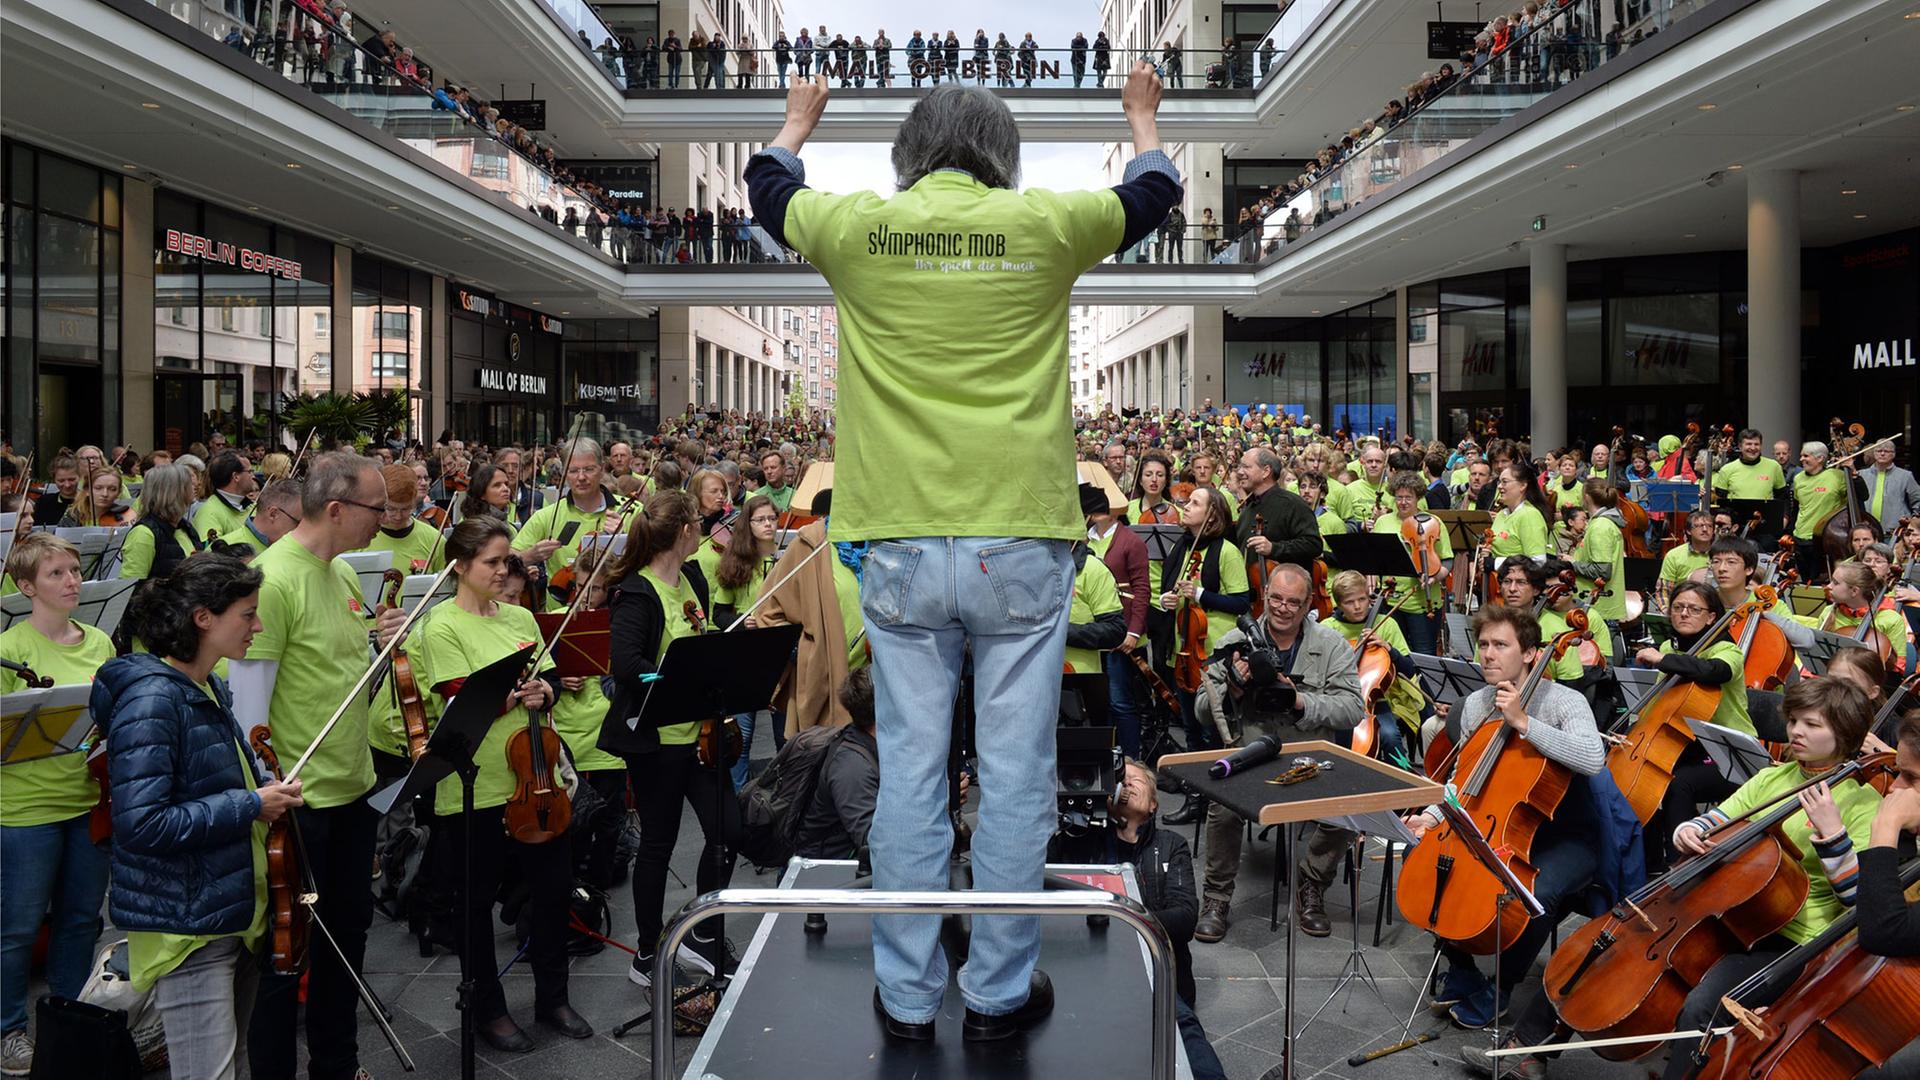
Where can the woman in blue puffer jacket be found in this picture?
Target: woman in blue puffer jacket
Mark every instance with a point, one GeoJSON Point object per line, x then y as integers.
{"type": "Point", "coordinates": [190, 810]}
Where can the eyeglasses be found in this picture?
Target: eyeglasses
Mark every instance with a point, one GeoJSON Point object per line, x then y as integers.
{"type": "Point", "coordinates": [1688, 609]}
{"type": "Point", "coordinates": [1285, 604]}
{"type": "Point", "coordinates": [381, 510]}
{"type": "Point", "coordinates": [284, 514]}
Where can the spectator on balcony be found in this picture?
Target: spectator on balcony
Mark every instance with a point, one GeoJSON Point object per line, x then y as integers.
{"type": "Point", "coordinates": [1170, 64]}
{"type": "Point", "coordinates": [916, 56]}
{"type": "Point", "coordinates": [882, 58]}
{"type": "Point", "coordinates": [706, 232]}
{"type": "Point", "coordinates": [1173, 236]}
{"type": "Point", "coordinates": [379, 49]}
{"type": "Point", "coordinates": [782, 56]}
{"type": "Point", "coordinates": [1029, 57]}
{"type": "Point", "coordinates": [650, 64]}
{"type": "Point", "coordinates": [1229, 62]}
{"type": "Point", "coordinates": [571, 223]}
{"type": "Point", "coordinates": [1078, 51]}
{"type": "Point", "coordinates": [953, 57]}
{"type": "Point", "coordinates": [803, 54]}
{"type": "Point", "coordinates": [748, 59]}
{"type": "Point", "coordinates": [1002, 61]}
{"type": "Point", "coordinates": [697, 54]}
{"type": "Point", "coordinates": [236, 39]}
{"type": "Point", "coordinates": [673, 48]}
{"type": "Point", "coordinates": [858, 62]}
{"type": "Point", "coordinates": [717, 60]}
{"type": "Point", "coordinates": [1102, 58]}
{"type": "Point", "coordinates": [1266, 57]}
{"type": "Point", "coordinates": [982, 59]}
{"type": "Point", "coordinates": [1209, 233]}
{"type": "Point", "coordinates": [404, 66]}
{"type": "Point", "coordinates": [840, 50]}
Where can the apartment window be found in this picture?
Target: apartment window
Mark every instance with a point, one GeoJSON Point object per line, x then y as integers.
{"type": "Point", "coordinates": [489, 161]}
{"type": "Point", "coordinates": [321, 321]}
{"type": "Point", "coordinates": [390, 365]}
{"type": "Point", "coordinates": [395, 324]}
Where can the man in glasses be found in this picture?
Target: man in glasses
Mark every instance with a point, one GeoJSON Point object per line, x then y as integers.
{"type": "Point", "coordinates": [1296, 678]}
{"type": "Point", "coordinates": [310, 652]}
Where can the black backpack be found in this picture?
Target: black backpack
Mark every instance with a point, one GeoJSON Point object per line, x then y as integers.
{"type": "Point", "coordinates": [773, 804]}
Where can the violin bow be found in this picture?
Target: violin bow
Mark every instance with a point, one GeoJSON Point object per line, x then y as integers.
{"type": "Point", "coordinates": [305, 444]}
{"type": "Point", "coordinates": [580, 591]}
{"type": "Point", "coordinates": [379, 662]}
{"type": "Point", "coordinates": [459, 501]}
{"type": "Point", "coordinates": [768, 590]}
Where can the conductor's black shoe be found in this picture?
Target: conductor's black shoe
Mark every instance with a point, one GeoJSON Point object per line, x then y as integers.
{"type": "Point", "coordinates": [564, 1020]}
{"type": "Point", "coordinates": [505, 1036]}
{"type": "Point", "coordinates": [979, 1027]}
{"type": "Point", "coordinates": [900, 1029]}
{"type": "Point", "coordinates": [1189, 812]}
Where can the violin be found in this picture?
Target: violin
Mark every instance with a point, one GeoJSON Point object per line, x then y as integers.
{"type": "Point", "coordinates": [538, 810]}
{"type": "Point", "coordinates": [1189, 664]}
{"type": "Point", "coordinates": [406, 688]}
{"type": "Point", "coordinates": [289, 914]}
{"type": "Point", "coordinates": [1257, 570]}
{"type": "Point", "coordinates": [1868, 634]}
{"type": "Point", "coordinates": [1847, 1013]}
{"type": "Point", "coordinates": [1770, 657]}
{"type": "Point", "coordinates": [718, 745]}
{"type": "Point", "coordinates": [1421, 534]}
{"type": "Point", "coordinates": [1376, 671]}
{"type": "Point", "coordinates": [1510, 789]}
{"type": "Point", "coordinates": [1642, 762]}
{"type": "Point", "coordinates": [1628, 972]}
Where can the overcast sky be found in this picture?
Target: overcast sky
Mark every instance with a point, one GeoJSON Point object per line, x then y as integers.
{"type": "Point", "coordinates": [844, 167]}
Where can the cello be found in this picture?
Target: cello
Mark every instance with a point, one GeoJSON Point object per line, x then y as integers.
{"type": "Point", "coordinates": [1628, 972]}
{"type": "Point", "coordinates": [1642, 762]}
{"type": "Point", "coordinates": [1835, 533]}
{"type": "Point", "coordinates": [1510, 789]}
{"type": "Point", "coordinates": [1848, 1012]}
{"type": "Point", "coordinates": [1770, 657]}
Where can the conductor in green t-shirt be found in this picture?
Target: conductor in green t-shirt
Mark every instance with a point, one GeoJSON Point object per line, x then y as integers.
{"type": "Point", "coordinates": [955, 493]}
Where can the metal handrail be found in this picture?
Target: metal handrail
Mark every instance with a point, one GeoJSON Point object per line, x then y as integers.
{"type": "Point", "coordinates": [800, 901]}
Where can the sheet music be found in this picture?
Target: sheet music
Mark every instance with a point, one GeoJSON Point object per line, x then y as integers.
{"type": "Point", "coordinates": [9, 524]}
{"type": "Point", "coordinates": [369, 567]}
{"type": "Point", "coordinates": [600, 540]}
{"type": "Point", "coordinates": [1460, 635]}
{"type": "Point", "coordinates": [102, 603]}
{"type": "Point", "coordinates": [1825, 647]}
{"type": "Point", "coordinates": [1635, 683]}
{"type": "Point", "coordinates": [414, 589]}
{"type": "Point", "coordinates": [44, 723]}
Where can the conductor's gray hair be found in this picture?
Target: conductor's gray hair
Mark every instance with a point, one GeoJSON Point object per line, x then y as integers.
{"type": "Point", "coordinates": [958, 127]}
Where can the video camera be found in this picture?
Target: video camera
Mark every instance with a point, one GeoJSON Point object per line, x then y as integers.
{"type": "Point", "coordinates": [1269, 691]}
{"type": "Point", "coordinates": [1086, 774]}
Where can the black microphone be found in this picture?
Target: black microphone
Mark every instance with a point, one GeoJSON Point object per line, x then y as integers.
{"type": "Point", "coordinates": [1258, 752]}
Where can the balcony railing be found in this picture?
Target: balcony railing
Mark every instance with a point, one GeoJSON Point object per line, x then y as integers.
{"type": "Point", "coordinates": [399, 98]}
{"type": "Point", "coordinates": [1493, 86]}
{"type": "Point", "coordinates": [654, 68]}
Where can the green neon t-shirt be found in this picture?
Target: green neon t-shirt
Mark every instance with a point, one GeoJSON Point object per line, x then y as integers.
{"type": "Point", "coordinates": [1761, 480]}
{"type": "Point", "coordinates": [417, 550]}
{"type": "Point", "coordinates": [56, 788]}
{"type": "Point", "coordinates": [314, 624]}
{"type": "Point", "coordinates": [454, 644]}
{"type": "Point", "coordinates": [1818, 496]}
{"type": "Point", "coordinates": [1519, 532]}
{"type": "Point", "coordinates": [1094, 595]}
{"type": "Point", "coordinates": [953, 324]}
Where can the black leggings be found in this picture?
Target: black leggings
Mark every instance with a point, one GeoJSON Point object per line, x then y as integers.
{"type": "Point", "coordinates": [663, 782]}
{"type": "Point", "coordinates": [1695, 780]}
{"type": "Point", "coordinates": [1703, 1001]}
{"type": "Point", "coordinates": [594, 842]}
{"type": "Point", "coordinates": [549, 879]}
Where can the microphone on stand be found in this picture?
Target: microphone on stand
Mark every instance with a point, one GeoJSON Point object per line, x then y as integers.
{"type": "Point", "coordinates": [1258, 752]}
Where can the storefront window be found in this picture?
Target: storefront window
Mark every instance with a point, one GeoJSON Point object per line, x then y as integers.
{"type": "Point", "coordinates": [61, 276]}
{"type": "Point", "coordinates": [234, 303]}
{"type": "Point", "coordinates": [612, 377]}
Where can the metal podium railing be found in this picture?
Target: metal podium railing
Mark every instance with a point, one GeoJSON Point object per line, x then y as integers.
{"type": "Point", "coordinates": [801, 901]}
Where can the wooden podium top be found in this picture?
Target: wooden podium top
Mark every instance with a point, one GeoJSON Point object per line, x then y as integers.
{"type": "Point", "coordinates": [1357, 784]}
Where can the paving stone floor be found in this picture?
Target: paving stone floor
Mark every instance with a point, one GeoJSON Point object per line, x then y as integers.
{"type": "Point", "coordinates": [1241, 990]}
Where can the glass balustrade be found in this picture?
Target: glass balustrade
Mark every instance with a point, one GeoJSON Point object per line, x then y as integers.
{"type": "Point", "coordinates": [1492, 86]}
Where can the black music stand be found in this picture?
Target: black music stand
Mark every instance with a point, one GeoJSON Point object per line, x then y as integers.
{"type": "Point", "coordinates": [713, 677]}
{"type": "Point", "coordinates": [1671, 497]}
{"type": "Point", "coordinates": [1825, 647]}
{"type": "Point", "coordinates": [1738, 755]}
{"type": "Point", "coordinates": [1160, 539]}
{"type": "Point", "coordinates": [1464, 527]}
{"type": "Point", "coordinates": [450, 749]}
{"type": "Point", "coordinates": [1372, 554]}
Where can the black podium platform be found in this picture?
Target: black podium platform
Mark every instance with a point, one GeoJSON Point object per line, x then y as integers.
{"type": "Point", "coordinates": [802, 1008]}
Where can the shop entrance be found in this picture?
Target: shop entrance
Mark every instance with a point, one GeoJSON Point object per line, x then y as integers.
{"type": "Point", "coordinates": [69, 411]}
{"type": "Point", "coordinates": [188, 407]}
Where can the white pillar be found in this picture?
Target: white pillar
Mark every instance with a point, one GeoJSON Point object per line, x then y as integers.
{"type": "Point", "coordinates": [1547, 344]}
{"type": "Point", "coordinates": [1773, 304]}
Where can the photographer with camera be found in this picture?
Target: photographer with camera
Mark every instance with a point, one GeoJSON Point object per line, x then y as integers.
{"type": "Point", "coordinates": [1295, 679]}
{"type": "Point", "coordinates": [1164, 868]}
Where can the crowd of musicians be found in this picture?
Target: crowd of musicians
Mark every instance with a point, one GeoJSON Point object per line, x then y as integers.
{"type": "Point", "coordinates": [253, 699]}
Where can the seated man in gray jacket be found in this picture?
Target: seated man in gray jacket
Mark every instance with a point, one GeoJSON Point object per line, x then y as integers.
{"type": "Point", "coordinates": [1311, 692]}
{"type": "Point", "coordinates": [834, 825]}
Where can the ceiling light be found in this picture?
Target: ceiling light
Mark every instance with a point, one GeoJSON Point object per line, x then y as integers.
{"type": "Point", "coordinates": [1849, 191]}
{"type": "Point", "coordinates": [535, 303]}
{"type": "Point", "coordinates": [130, 167]}
{"type": "Point", "coordinates": [1315, 311]}
{"type": "Point", "coordinates": [1572, 165]}
{"type": "Point", "coordinates": [466, 238]}
{"type": "Point", "coordinates": [1706, 106]}
{"type": "Point", "coordinates": [1859, 217]}
{"type": "Point", "coordinates": [255, 208]}
{"type": "Point", "coordinates": [566, 312]}
{"type": "Point", "coordinates": [393, 206]}
{"type": "Point", "coordinates": [149, 104]}
{"type": "Point", "coordinates": [1735, 167]}
{"type": "Point", "coordinates": [1688, 235]}
{"type": "Point", "coordinates": [1903, 108]}
{"type": "Point", "coordinates": [293, 164]}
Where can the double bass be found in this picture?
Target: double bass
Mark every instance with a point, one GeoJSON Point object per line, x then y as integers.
{"type": "Point", "coordinates": [1628, 972]}
{"type": "Point", "coordinates": [1835, 534]}
{"type": "Point", "coordinates": [1510, 789]}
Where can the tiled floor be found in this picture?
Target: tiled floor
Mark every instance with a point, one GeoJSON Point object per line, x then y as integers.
{"type": "Point", "coordinates": [1241, 989]}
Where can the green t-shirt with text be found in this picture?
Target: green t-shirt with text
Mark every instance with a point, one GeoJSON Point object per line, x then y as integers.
{"type": "Point", "coordinates": [1761, 480]}
{"type": "Point", "coordinates": [454, 644]}
{"type": "Point", "coordinates": [1094, 595]}
{"type": "Point", "coordinates": [1818, 496]}
{"type": "Point", "coordinates": [953, 320]}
